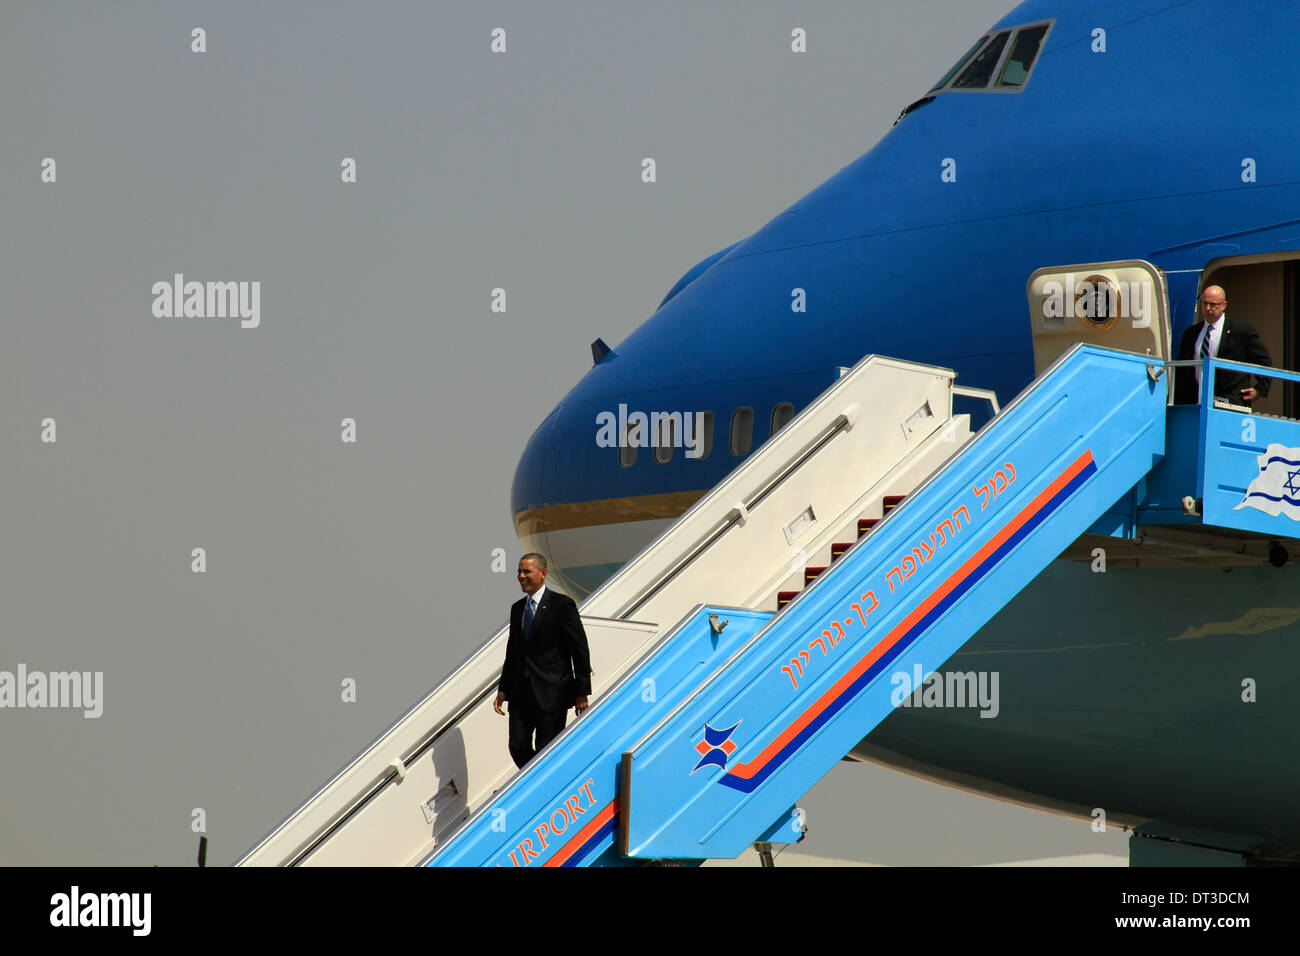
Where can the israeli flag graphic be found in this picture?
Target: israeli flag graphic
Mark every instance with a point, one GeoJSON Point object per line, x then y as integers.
{"type": "Point", "coordinates": [1276, 490]}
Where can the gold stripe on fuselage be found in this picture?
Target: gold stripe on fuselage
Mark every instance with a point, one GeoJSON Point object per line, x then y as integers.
{"type": "Point", "coordinates": [586, 514]}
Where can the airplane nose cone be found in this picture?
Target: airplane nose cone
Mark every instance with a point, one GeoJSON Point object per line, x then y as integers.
{"type": "Point", "coordinates": [526, 492]}
{"type": "Point", "coordinates": [547, 502]}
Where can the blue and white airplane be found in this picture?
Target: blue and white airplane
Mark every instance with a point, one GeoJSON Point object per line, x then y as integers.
{"type": "Point", "coordinates": [1069, 134]}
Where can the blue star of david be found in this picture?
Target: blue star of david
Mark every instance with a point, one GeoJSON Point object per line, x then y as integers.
{"type": "Point", "coordinates": [1290, 481]}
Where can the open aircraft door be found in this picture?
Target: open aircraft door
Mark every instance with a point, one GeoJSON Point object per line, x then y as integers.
{"type": "Point", "coordinates": [1118, 305]}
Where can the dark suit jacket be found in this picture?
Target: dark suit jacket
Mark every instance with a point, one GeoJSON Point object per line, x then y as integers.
{"type": "Point", "coordinates": [1238, 343]}
{"type": "Point", "coordinates": [558, 661]}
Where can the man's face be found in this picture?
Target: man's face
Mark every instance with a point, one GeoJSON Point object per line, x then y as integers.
{"type": "Point", "coordinates": [1213, 303]}
{"type": "Point", "coordinates": [530, 575]}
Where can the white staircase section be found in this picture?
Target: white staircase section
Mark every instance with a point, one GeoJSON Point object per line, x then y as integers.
{"type": "Point", "coordinates": [880, 430]}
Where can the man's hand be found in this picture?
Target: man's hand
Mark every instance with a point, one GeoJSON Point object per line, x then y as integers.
{"type": "Point", "coordinates": [496, 704]}
{"type": "Point", "coordinates": [580, 704]}
{"type": "Point", "coordinates": [1249, 394]}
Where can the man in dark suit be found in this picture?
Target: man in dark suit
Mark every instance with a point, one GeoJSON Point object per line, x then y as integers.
{"type": "Point", "coordinates": [1220, 337]}
{"type": "Point", "coordinates": [548, 665]}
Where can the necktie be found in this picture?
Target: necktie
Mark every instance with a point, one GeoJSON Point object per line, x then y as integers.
{"type": "Point", "coordinates": [529, 610]}
{"type": "Point", "coordinates": [1204, 353]}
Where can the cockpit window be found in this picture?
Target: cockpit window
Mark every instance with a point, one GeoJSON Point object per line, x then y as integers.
{"type": "Point", "coordinates": [1023, 53]}
{"type": "Point", "coordinates": [959, 64]}
{"type": "Point", "coordinates": [977, 75]}
{"type": "Point", "coordinates": [1009, 55]}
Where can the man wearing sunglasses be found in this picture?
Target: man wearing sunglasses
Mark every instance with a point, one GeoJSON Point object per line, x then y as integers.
{"type": "Point", "coordinates": [1217, 336]}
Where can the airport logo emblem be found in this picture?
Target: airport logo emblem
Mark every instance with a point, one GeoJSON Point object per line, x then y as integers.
{"type": "Point", "coordinates": [716, 747]}
{"type": "Point", "coordinates": [1276, 489]}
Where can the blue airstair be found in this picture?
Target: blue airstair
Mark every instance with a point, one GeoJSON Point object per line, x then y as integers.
{"type": "Point", "coordinates": [705, 746]}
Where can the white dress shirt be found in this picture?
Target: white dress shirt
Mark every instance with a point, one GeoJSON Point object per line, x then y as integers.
{"type": "Point", "coordinates": [1215, 332]}
{"type": "Point", "coordinates": [537, 598]}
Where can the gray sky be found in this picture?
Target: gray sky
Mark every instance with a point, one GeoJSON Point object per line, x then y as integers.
{"type": "Point", "coordinates": [370, 560]}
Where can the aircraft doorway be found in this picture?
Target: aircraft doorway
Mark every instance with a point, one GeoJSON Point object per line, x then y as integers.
{"type": "Point", "coordinates": [1264, 290]}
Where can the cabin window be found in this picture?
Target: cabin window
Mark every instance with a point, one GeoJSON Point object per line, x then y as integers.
{"type": "Point", "coordinates": [959, 64]}
{"type": "Point", "coordinates": [1024, 51]}
{"type": "Point", "coordinates": [704, 422]}
{"type": "Point", "coordinates": [742, 431]}
{"type": "Point", "coordinates": [781, 416]}
{"type": "Point", "coordinates": [977, 75]}
{"type": "Point", "coordinates": [664, 440]}
{"type": "Point", "coordinates": [627, 453]}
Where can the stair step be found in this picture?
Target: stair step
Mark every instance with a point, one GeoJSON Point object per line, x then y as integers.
{"type": "Point", "coordinates": [838, 549]}
{"type": "Point", "coordinates": [891, 502]}
{"type": "Point", "coordinates": [865, 525]}
{"type": "Point", "coordinates": [784, 597]}
{"type": "Point", "coordinates": [810, 574]}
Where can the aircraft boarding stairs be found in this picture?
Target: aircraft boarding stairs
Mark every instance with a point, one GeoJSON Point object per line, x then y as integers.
{"type": "Point", "coordinates": [709, 724]}
{"type": "Point", "coordinates": [878, 431]}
